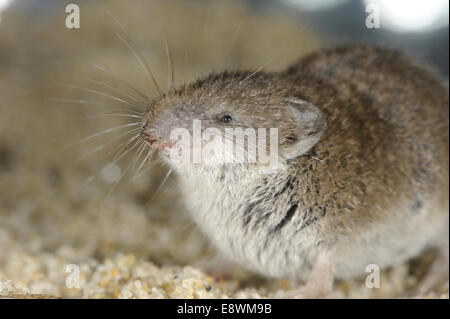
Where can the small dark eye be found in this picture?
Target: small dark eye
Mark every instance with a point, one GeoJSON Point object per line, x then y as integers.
{"type": "Point", "coordinates": [226, 118]}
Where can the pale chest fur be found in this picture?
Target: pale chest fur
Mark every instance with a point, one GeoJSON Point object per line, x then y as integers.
{"type": "Point", "coordinates": [246, 221]}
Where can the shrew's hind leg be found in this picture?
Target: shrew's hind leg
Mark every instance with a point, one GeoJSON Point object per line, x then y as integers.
{"type": "Point", "coordinates": [320, 282]}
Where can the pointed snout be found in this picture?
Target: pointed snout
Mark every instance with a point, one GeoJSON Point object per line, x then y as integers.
{"type": "Point", "coordinates": [148, 134]}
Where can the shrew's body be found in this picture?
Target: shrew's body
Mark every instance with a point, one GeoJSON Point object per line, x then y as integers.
{"type": "Point", "coordinates": [364, 150]}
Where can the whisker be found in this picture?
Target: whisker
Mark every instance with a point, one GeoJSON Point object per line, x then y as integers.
{"type": "Point", "coordinates": [102, 146]}
{"type": "Point", "coordinates": [95, 92]}
{"type": "Point", "coordinates": [160, 186]}
{"type": "Point", "coordinates": [78, 101]}
{"type": "Point", "coordinates": [101, 133]}
{"type": "Point", "coordinates": [121, 154]}
{"type": "Point", "coordinates": [131, 112]}
{"type": "Point", "coordinates": [103, 69]}
{"type": "Point", "coordinates": [118, 180]}
{"type": "Point", "coordinates": [110, 87]}
{"type": "Point", "coordinates": [148, 167]}
{"type": "Point", "coordinates": [149, 155]}
{"type": "Point", "coordinates": [117, 21]}
{"type": "Point", "coordinates": [138, 154]}
{"type": "Point", "coordinates": [171, 78]}
{"type": "Point", "coordinates": [142, 63]}
{"type": "Point", "coordinates": [84, 102]}
{"type": "Point", "coordinates": [140, 59]}
{"type": "Point", "coordinates": [113, 114]}
{"type": "Point", "coordinates": [257, 70]}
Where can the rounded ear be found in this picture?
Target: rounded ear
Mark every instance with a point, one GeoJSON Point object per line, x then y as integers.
{"type": "Point", "coordinates": [309, 123]}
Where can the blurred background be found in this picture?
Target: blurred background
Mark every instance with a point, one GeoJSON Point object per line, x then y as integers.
{"type": "Point", "coordinates": [64, 201]}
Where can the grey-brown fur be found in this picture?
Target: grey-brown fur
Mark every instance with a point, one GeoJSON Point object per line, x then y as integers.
{"type": "Point", "coordinates": [373, 188]}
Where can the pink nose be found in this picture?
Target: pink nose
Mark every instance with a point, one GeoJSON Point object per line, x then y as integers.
{"type": "Point", "coordinates": [148, 135]}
